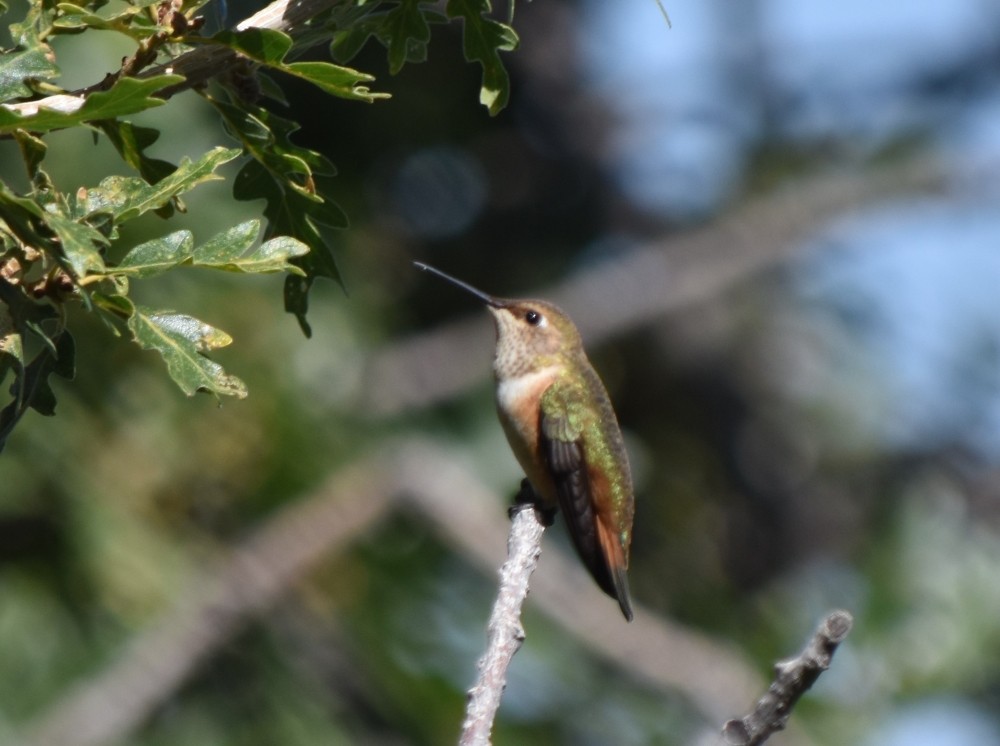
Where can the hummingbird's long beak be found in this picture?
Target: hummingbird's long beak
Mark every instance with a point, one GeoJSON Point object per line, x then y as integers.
{"type": "Point", "coordinates": [487, 299]}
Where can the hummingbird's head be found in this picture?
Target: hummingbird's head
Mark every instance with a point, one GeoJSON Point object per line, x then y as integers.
{"type": "Point", "coordinates": [531, 334]}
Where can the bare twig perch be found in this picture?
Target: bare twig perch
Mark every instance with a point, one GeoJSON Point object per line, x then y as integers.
{"type": "Point", "coordinates": [792, 678]}
{"type": "Point", "coordinates": [504, 631]}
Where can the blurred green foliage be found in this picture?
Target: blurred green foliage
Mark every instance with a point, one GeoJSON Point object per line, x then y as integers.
{"type": "Point", "coordinates": [59, 247]}
{"type": "Point", "coordinates": [760, 505]}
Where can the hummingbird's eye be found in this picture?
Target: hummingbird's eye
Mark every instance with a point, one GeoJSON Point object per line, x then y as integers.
{"type": "Point", "coordinates": [532, 317]}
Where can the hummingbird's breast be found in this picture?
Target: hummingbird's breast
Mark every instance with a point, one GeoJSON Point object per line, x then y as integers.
{"type": "Point", "coordinates": [518, 405]}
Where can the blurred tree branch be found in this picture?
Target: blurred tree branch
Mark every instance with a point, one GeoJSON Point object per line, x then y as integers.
{"type": "Point", "coordinates": [112, 704]}
{"type": "Point", "coordinates": [792, 678]}
{"type": "Point", "coordinates": [637, 286]}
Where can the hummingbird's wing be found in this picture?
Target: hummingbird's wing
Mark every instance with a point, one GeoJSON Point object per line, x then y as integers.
{"type": "Point", "coordinates": [582, 490]}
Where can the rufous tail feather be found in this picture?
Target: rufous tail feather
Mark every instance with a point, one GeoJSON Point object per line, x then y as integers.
{"type": "Point", "coordinates": [617, 565]}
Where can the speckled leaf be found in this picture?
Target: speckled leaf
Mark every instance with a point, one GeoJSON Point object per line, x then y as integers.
{"type": "Point", "coordinates": [127, 196]}
{"type": "Point", "coordinates": [156, 256]}
{"type": "Point", "coordinates": [229, 251]}
{"type": "Point", "coordinates": [273, 256]}
{"type": "Point", "coordinates": [182, 341]}
{"type": "Point", "coordinates": [127, 96]}
{"type": "Point", "coordinates": [228, 245]}
{"type": "Point", "coordinates": [80, 243]}
{"type": "Point", "coordinates": [17, 67]}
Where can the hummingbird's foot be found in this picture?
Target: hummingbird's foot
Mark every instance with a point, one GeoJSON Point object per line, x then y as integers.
{"type": "Point", "coordinates": [546, 516]}
{"type": "Point", "coordinates": [528, 498]}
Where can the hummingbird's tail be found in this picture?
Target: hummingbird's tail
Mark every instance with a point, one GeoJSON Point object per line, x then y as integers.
{"type": "Point", "coordinates": [614, 578]}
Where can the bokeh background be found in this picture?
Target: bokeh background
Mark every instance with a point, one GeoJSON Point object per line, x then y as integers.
{"type": "Point", "coordinates": [777, 225]}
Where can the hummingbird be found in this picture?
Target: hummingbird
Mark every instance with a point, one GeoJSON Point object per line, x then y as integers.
{"type": "Point", "coordinates": [560, 424]}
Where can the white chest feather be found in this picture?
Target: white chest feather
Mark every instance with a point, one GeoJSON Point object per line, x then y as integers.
{"type": "Point", "coordinates": [518, 405]}
{"type": "Point", "coordinates": [515, 394]}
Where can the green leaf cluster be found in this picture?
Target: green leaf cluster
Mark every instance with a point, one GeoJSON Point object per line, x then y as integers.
{"type": "Point", "coordinates": [483, 40]}
{"type": "Point", "coordinates": [23, 326]}
{"type": "Point", "coordinates": [127, 96]}
{"type": "Point", "coordinates": [54, 250]}
{"type": "Point", "coordinates": [293, 182]}
{"type": "Point", "coordinates": [403, 27]}
{"type": "Point", "coordinates": [270, 48]}
{"type": "Point", "coordinates": [62, 249]}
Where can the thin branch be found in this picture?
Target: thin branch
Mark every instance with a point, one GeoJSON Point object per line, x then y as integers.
{"type": "Point", "coordinates": [504, 631]}
{"type": "Point", "coordinates": [714, 676]}
{"type": "Point", "coordinates": [792, 678]}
